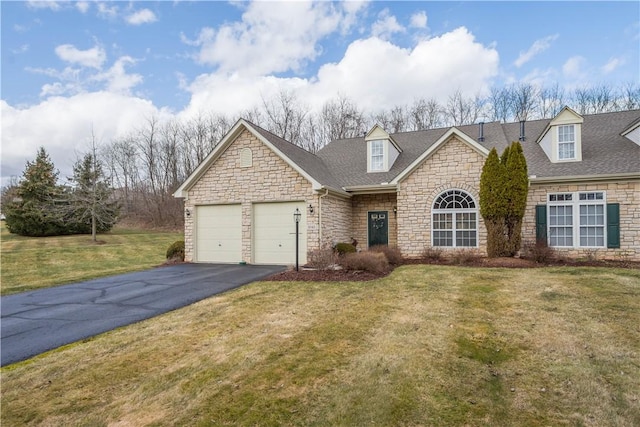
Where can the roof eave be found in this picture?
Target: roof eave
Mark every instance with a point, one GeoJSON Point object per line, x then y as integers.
{"type": "Point", "coordinates": [630, 176]}
{"type": "Point", "coordinates": [372, 189]}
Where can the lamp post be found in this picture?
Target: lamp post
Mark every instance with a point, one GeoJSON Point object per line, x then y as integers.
{"type": "Point", "coordinates": [296, 216]}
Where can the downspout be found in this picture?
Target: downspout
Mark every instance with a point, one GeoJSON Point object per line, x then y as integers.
{"type": "Point", "coordinates": [320, 217]}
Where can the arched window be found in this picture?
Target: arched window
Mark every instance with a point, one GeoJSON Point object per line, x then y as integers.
{"type": "Point", "coordinates": [246, 158]}
{"type": "Point", "coordinates": [455, 220]}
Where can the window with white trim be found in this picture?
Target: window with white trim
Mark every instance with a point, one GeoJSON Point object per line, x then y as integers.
{"type": "Point", "coordinates": [377, 155]}
{"type": "Point", "coordinates": [577, 219]}
{"type": "Point", "coordinates": [566, 142]}
{"type": "Point", "coordinates": [454, 220]}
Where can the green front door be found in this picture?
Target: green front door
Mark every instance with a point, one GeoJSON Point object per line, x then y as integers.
{"type": "Point", "coordinates": [378, 228]}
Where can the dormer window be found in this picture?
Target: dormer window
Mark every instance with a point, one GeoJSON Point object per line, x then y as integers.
{"type": "Point", "coordinates": [562, 139]}
{"type": "Point", "coordinates": [566, 142]}
{"type": "Point", "coordinates": [377, 155]}
{"type": "Point", "coordinates": [382, 150]}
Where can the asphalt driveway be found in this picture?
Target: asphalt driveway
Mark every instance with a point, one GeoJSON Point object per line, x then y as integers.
{"type": "Point", "coordinates": [37, 321]}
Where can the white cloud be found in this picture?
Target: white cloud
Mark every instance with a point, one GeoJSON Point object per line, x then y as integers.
{"type": "Point", "coordinates": [433, 68]}
{"type": "Point", "coordinates": [22, 49]}
{"type": "Point", "coordinates": [63, 126]}
{"type": "Point", "coordinates": [419, 20]}
{"type": "Point", "coordinates": [536, 48]}
{"type": "Point", "coordinates": [572, 68]}
{"type": "Point", "coordinates": [258, 45]}
{"type": "Point", "coordinates": [117, 79]}
{"type": "Point", "coordinates": [83, 6]}
{"type": "Point", "coordinates": [386, 25]}
{"type": "Point", "coordinates": [45, 4]}
{"type": "Point", "coordinates": [143, 16]}
{"type": "Point", "coordinates": [106, 11]}
{"type": "Point", "coordinates": [612, 64]}
{"type": "Point", "coordinates": [93, 57]}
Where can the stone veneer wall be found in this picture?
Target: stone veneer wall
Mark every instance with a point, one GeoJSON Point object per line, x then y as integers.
{"type": "Point", "coordinates": [454, 165]}
{"type": "Point", "coordinates": [336, 220]}
{"type": "Point", "coordinates": [269, 179]}
{"type": "Point", "coordinates": [364, 203]}
{"type": "Point", "coordinates": [627, 194]}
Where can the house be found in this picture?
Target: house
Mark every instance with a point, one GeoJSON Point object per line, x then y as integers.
{"type": "Point", "coordinates": [414, 190]}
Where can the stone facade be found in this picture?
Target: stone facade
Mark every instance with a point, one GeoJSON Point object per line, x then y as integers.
{"type": "Point", "coordinates": [268, 179]}
{"type": "Point", "coordinates": [362, 204]}
{"type": "Point", "coordinates": [455, 165]}
{"type": "Point", "coordinates": [336, 220]}
{"type": "Point", "coordinates": [627, 194]}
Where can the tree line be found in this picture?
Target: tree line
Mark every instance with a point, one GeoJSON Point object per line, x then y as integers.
{"type": "Point", "coordinates": [147, 165]}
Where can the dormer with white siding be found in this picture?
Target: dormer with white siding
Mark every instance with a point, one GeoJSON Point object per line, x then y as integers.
{"type": "Point", "coordinates": [382, 150]}
{"type": "Point", "coordinates": [633, 132]}
{"type": "Point", "coordinates": [562, 139]}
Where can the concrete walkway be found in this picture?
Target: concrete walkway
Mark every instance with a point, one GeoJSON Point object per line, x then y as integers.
{"type": "Point", "coordinates": [38, 321]}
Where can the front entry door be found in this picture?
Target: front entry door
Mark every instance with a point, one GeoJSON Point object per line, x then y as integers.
{"type": "Point", "coordinates": [378, 228]}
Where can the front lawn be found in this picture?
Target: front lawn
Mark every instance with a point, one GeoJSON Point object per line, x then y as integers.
{"type": "Point", "coordinates": [36, 262]}
{"type": "Point", "coordinates": [427, 345]}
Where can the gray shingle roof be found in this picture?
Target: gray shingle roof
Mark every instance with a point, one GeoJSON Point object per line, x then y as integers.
{"type": "Point", "coordinates": [343, 163]}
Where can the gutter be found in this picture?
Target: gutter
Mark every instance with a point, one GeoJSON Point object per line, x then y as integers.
{"type": "Point", "coordinates": [632, 176]}
{"type": "Point", "coordinates": [373, 189]}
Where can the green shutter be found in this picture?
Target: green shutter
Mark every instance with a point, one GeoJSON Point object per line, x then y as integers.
{"type": "Point", "coordinates": [613, 225]}
{"type": "Point", "coordinates": [541, 222]}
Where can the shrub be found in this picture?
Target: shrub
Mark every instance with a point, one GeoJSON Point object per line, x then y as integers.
{"type": "Point", "coordinates": [432, 254]}
{"type": "Point", "coordinates": [322, 259]}
{"type": "Point", "coordinates": [374, 262]}
{"type": "Point", "coordinates": [176, 250]}
{"type": "Point", "coordinates": [394, 256]}
{"type": "Point", "coordinates": [537, 251]}
{"type": "Point", "coordinates": [345, 248]}
{"type": "Point", "coordinates": [463, 257]}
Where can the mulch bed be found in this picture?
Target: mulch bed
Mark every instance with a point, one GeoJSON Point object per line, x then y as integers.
{"type": "Point", "coordinates": [310, 275]}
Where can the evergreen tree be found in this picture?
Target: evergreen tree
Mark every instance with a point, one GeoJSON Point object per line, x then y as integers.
{"type": "Point", "coordinates": [90, 199]}
{"type": "Point", "coordinates": [516, 190]}
{"type": "Point", "coordinates": [503, 197]}
{"type": "Point", "coordinates": [32, 210]}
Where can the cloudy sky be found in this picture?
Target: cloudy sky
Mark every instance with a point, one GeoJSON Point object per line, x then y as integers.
{"type": "Point", "coordinates": [70, 68]}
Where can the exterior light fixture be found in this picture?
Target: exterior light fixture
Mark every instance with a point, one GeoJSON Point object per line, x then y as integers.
{"type": "Point", "coordinates": [310, 208]}
{"type": "Point", "coordinates": [395, 210]}
{"type": "Point", "coordinates": [188, 212]}
{"type": "Point", "coordinates": [296, 217]}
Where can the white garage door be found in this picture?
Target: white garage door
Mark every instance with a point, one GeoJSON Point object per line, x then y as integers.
{"type": "Point", "coordinates": [219, 233]}
{"type": "Point", "coordinates": [274, 239]}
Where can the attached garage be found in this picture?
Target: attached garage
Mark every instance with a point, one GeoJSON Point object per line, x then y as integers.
{"type": "Point", "coordinates": [218, 234]}
{"type": "Point", "coordinates": [274, 228]}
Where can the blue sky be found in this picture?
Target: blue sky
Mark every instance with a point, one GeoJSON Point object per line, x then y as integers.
{"type": "Point", "coordinates": [70, 67]}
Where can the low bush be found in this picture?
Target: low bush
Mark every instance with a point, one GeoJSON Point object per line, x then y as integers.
{"type": "Point", "coordinates": [176, 250]}
{"type": "Point", "coordinates": [374, 262]}
{"type": "Point", "coordinates": [537, 251]}
{"type": "Point", "coordinates": [464, 257]}
{"type": "Point", "coordinates": [345, 248]}
{"type": "Point", "coordinates": [432, 254]}
{"type": "Point", "coordinates": [322, 259]}
{"type": "Point", "coordinates": [393, 254]}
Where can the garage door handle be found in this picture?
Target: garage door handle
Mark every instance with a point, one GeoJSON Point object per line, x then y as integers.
{"type": "Point", "coordinates": [219, 244]}
{"type": "Point", "coordinates": [280, 245]}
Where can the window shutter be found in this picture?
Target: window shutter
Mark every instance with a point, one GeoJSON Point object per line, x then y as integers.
{"type": "Point", "coordinates": [541, 222]}
{"type": "Point", "coordinates": [613, 225]}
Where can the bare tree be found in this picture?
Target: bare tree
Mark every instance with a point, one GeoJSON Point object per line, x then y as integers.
{"type": "Point", "coordinates": [630, 96]}
{"type": "Point", "coordinates": [284, 116]}
{"type": "Point", "coordinates": [463, 111]}
{"type": "Point", "coordinates": [341, 118]}
{"type": "Point", "coordinates": [425, 114]}
{"type": "Point", "coordinates": [501, 104]}
{"type": "Point", "coordinates": [524, 97]}
{"type": "Point", "coordinates": [550, 101]}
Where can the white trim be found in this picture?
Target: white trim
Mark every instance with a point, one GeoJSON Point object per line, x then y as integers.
{"type": "Point", "coordinates": [584, 178]}
{"type": "Point", "coordinates": [434, 147]}
{"type": "Point", "coordinates": [229, 138]}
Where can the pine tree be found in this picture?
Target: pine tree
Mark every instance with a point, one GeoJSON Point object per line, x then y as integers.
{"type": "Point", "coordinates": [32, 212]}
{"type": "Point", "coordinates": [90, 199]}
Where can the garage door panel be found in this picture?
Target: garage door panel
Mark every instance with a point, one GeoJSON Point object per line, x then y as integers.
{"type": "Point", "coordinates": [219, 233]}
{"type": "Point", "coordinates": [274, 233]}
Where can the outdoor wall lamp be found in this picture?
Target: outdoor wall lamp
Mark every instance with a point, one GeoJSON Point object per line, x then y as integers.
{"type": "Point", "coordinates": [188, 212]}
{"type": "Point", "coordinates": [310, 208]}
{"type": "Point", "coordinates": [395, 210]}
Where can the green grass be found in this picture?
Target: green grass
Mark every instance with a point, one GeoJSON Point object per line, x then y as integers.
{"type": "Point", "coordinates": [37, 262]}
{"type": "Point", "coordinates": [427, 345]}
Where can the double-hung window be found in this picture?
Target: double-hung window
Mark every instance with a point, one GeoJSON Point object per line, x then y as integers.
{"type": "Point", "coordinates": [377, 155]}
{"type": "Point", "coordinates": [566, 142]}
{"type": "Point", "coordinates": [577, 219]}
